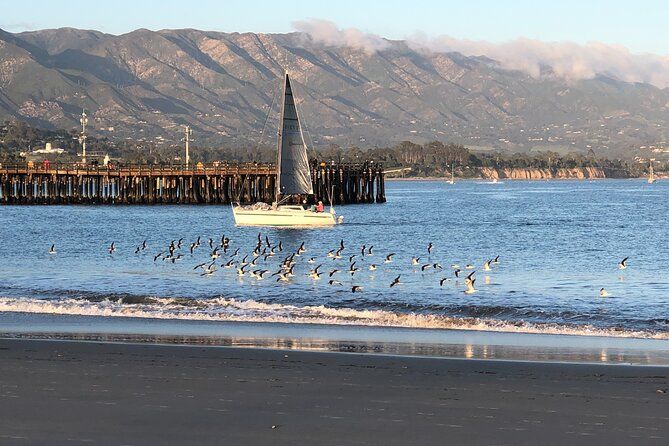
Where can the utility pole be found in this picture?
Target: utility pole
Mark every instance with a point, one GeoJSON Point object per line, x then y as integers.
{"type": "Point", "coordinates": [188, 131]}
{"type": "Point", "coordinates": [82, 138]}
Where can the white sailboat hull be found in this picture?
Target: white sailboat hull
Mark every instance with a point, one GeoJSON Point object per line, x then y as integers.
{"type": "Point", "coordinates": [287, 216]}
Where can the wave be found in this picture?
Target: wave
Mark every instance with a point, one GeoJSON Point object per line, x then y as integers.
{"type": "Point", "coordinates": [230, 309]}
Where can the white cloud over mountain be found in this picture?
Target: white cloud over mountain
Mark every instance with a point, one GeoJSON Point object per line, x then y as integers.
{"type": "Point", "coordinates": [568, 60]}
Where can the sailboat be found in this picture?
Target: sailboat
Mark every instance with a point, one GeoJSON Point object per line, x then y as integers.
{"type": "Point", "coordinates": [452, 181]}
{"type": "Point", "coordinates": [651, 173]}
{"type": "Point", "coordinates": [293, 178]}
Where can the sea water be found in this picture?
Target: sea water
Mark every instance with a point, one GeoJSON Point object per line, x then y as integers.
{"type": "Point", "coordinates": [558, 242]}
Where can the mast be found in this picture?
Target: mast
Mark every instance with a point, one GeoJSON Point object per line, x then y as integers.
{"type": "Point", "coordinates": [278, 143]}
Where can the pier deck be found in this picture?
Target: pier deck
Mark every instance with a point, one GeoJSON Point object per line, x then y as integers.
{"type": "Point", "coordinates": [216, 183]}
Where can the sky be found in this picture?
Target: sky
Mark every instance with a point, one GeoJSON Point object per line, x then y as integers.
{"type": "Point", "coordinates": [640, 26]}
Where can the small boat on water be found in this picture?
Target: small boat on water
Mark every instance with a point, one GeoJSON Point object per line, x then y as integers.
{"type": "Point", "coordinates": [452, 180]}
{"type": "Point", "coordinates": [651, 173]}
{"type": "Point", "coordinates": [293, 179]}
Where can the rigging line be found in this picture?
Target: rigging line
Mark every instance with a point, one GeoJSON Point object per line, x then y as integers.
{"type": "Point", "coordinates": [262, 132]}
{"type": "Point", "coordinates": [303, 123]}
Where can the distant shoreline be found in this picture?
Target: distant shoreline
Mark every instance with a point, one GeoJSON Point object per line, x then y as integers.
{"type": "Point", "coordinates": [446, 179]}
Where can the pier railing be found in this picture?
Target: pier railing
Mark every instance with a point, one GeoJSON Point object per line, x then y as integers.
{"type": "Point", "coordinates": [211, 183]}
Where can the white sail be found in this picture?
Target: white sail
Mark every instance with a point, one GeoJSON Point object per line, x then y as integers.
{"type": "Point", "coordinates": [294, 176]}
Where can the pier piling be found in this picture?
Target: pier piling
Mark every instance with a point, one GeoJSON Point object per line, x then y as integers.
{"type": "Point", "coordinates": [217, 183]}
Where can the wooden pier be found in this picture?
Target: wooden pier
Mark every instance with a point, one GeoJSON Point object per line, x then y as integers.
{"type": "Point", "coordinates": [216, 183]}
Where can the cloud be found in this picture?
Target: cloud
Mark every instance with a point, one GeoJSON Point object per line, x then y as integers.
{"type": "Point", "coordinates": [567, 60]}
{"type": "Point", "coordinates": [18, 27]}
{"type": "Point", "coordinates": [326, 32]}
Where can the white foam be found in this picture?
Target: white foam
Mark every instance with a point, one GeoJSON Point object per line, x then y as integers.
{"type": "Point", "coordinates": [222, 309]}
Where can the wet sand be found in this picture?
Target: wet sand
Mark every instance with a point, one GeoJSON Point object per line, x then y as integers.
{"type": "Point", "coordinates": [60, 392]}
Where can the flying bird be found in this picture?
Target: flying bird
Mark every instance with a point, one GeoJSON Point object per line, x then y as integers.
{"type": "Point", "coordinates": [623, 263]}
{"type": "Point", "coordinates": [395, 282]}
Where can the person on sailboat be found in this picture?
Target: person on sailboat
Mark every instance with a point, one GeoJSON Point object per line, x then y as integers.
{"type": "Point", "coordinates": [319, 207]}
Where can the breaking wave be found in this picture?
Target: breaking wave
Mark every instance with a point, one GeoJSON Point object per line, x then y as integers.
{"type": "Point", "coordinates": [229, 309]}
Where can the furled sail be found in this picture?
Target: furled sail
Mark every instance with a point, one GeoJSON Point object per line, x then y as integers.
{"type": "Point", "coordinates": [294, 175]}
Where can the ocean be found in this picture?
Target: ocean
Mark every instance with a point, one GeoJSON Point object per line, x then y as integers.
{"type": "Point", "coordinates": [558, 242]}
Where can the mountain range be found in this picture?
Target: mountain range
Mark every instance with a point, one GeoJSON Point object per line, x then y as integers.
{"type": "Point", "coordinates": [145, 85]}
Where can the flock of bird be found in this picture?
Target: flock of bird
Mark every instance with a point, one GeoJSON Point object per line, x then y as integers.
{"type": "Point", "coordinates": [257, 263]}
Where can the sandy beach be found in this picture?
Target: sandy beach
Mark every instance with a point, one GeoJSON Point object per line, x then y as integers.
{"type": "Point", "coordinates": [65, 392]}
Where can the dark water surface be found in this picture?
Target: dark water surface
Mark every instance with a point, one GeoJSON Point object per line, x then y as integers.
{"type": "Point", "coordinates": [559, 242]}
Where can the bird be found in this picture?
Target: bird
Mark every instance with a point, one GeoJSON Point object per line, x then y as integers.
{"type": "Point", "coordinates": [52, 250]}
{"type": "Point", "coordinates": [486, 265]}
{"type": "Point", "coordinates": [369, 250]}
{"type": "Point", "coordinates": [144, 245]}
{"type": "Point", "coordinates": [334, 282]}
{"type": "Point", "coordinates": [469, 266]}
{"type": "Point", "coordinates": [314, 274]}
{"type": "Point", "coordinates": [112, 248]}
{"type": "Point", "coordinates": [426, 266]}
{"type": "Point", "coordinates": [201, 265]}
{"type": "Point", "coordinates": [415, 260]}
{"type": "Point", "coordinates": [389, 258]}
{"type": "Point", "coordinates": [208, 272]}
{"type": "Point", "coordinates": [623, 263]}
{"type": "Point", "coordinates": [469, 282]}
{"type": "Point", "coordinates": [457, 272]}
{"type": "Point", "coordinates": [496, 260]}
{"type": "Point", "coordinates": [470, 286]}
{"type": "Point", "coordinates": [333, 272]}
{"type": "Point", "coordinates": [157, 256]}
{"type": "Point", "coordinates": [445, 279]}
{"type": "Point", "coordinates": [372, 267]}
{"type": "Point", "coordinates": [396, 281]}
{"type": "Point", "coordinates": [312, 260]}
{"type": "Point", "coordinates": [353, 268]}
{"type": "Point", "coordinates": [356, 288]}
{"type": "Point", "coordinates": [429, 248]}
{"type": "Point", "coordinates": [603, 293]}
{"type": "Point", "coordinates": [258, 274]}
{"type": "Point", "coordinates": [350, 259]}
